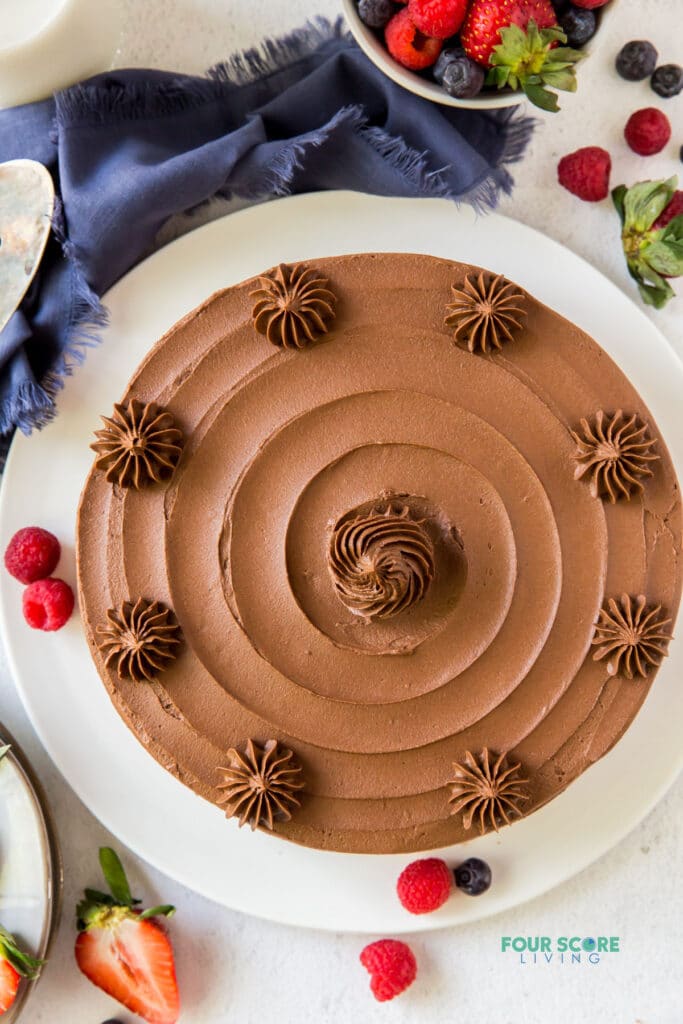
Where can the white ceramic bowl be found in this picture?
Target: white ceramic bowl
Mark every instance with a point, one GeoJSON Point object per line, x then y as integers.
{"type": "Point", "coordinates": [373, 46]}
{"type": "Point", "coordinates": [49, 44]}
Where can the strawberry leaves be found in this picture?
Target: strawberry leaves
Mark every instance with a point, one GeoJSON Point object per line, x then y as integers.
{"type": "Point", "coordinates": [531, 60]}
{"type": "Point", "coordinates": [26, 966]}
{"type": "Point", "coordinates": [98, 909]}
{"type": "Point", "coordinates": [115, 877]}
{"type": "Point", "coordinates": [652, 255]}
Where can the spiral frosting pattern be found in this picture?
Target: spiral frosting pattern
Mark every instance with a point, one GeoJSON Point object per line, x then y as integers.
{"type": "Point", "coordinates": [382, 563]}
{"type": "Point", "coordinates": [385, 445]}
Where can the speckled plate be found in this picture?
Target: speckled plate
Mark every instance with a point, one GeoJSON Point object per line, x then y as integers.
{"type": "Point", "coordinates": [30, 873]}
{"type": "Point", "coordinates": [27, 199]}
{"type": "Point", "coordinates": [151, 811]}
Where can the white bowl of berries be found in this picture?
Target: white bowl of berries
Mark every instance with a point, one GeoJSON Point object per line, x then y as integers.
{"type": "Point", "coordinates": [478, 53]}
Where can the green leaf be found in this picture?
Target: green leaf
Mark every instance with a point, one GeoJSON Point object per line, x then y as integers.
{"type": "Point", "coordinates": [566, 55]}
{"type": "Point", "coordinates": [554, 34]}
{"type": "Point", "coordinates": [664, 257]}
{"type": "Point", "coordinates": [497, 76]}
{"type": "Point", "coordinates": [540, 97]}
{"type": "Point", "coordinates": [95, 896]}
{"type": "Point", "coordinates": [654, 290]}
{"type": "Point", "coordinates": [514, 45]}
{"type": "Point", "coordinates": [634, 271]}
{"type": "Point", "coordinates": [565, 80]}
{"type": "Point", "coordinates": [618, 195]}
{"type": "Point", "coordinates": [675, 247]}
{"type": "Point", "coordinates": [644, 202]}
{"type": "Point", "coordinates": [115, 876]}
{"type": "Point", "coordinates": [656, 295]}
{"type": "Point", "coordinates": [165, 910]}
{"type": "Point", "coordinates": [533, 37]}
{"type": "Point", "coordinates": [674, 229]}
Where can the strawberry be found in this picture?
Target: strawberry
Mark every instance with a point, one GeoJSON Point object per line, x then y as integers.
{"type": "Point", "coordinates": [124, 950]}
{"type": "Point", "coordinates": [14, 965]}
{"type": "Point", "coordinates": [652, 236]}
{"type": "Point", "coordinates": [481, 31]}
{"type": "Point", "coordinates": [518, 41]}
{"type": "Point", "coordinates": [542, 12]}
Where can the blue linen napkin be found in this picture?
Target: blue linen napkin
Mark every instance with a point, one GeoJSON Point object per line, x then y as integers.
{"type": "Point", "coordinates": [131, 148]}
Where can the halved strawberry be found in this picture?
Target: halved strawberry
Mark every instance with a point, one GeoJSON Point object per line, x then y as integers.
{"type": "Point", "coordinates": [14, 965]}
{"type": "Point", "coordinates": [9, 985]}
{"type": "Point", "coordinates": [124, 950]}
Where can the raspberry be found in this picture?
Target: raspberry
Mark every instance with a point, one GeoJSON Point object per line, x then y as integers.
{"type": "Point", "coordinates": [424, 885]}
{"type": "Point", "coordinates": [585, 173]}
{"type": "Point", "coordinates": [647, 131]}
{"type": "Point", "coordinates": [48, 604]}
{"type": "Point", "coordinates": [438, 18]}
{"type": "Point", "coordinates": [590, 5]}
{"type": "Point", "coordinates": [408, 45]}
{"type": "Point", "coordinates": [392, 967]}
{"type": "Point", "coordinates": [32, 554]}
{"type": "Point", "coordinates": [674, 209]}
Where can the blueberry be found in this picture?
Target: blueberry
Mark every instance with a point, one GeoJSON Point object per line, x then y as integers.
{"type": "Point", "coordinates": [473, 876]}
{"type": "Point", "coordinates": [579, 25]}
{"type": "Point", "coordinates": [463, 78]}
{"type": "Point", "coordinates": [667, 80]}
{"type": "Point", "coordinates": [636, 60]}
{"type": "Point", "coordinates": [376, 13]}
{"type": "Point", "coordinates": [560, 5]}
{"type": "Point", "coordinates": [446, 56]}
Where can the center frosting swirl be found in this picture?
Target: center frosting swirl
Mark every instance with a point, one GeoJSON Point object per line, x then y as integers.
{"type": "Point", "coordinates": [381, 562]}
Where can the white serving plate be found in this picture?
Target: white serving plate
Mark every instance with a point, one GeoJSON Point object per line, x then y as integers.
{"type": "Point", "coordinates": [148, 809]}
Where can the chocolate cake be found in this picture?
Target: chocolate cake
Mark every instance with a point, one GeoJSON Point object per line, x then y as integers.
{"type": "Point", "coordinates": [378, 552]}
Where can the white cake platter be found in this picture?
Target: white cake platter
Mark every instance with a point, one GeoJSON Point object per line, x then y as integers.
{"type": "Point", "coordinates": [147, 808]}
{"type": "Point", "coordinates": [30, 872]}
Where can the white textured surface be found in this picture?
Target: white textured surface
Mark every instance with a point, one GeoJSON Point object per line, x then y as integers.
{"type": "Point", "coordinates": [233, 968]}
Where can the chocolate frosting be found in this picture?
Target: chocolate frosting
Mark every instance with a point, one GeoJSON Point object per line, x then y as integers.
{"type": "Point", "coordinates": [140, 639]}
{"type": "Point", "coordinates": [293, 306]}
{"type": "Point", "coordinates": [140, 444]}
{"type": "Point", "coordinates": [279, 449]}
{"type": "Point", "coordinates": [631, 636]}
{"type": "Point", "coordinates": [261, 785]}
{"type": "Point", "coordinates": [613, 454]}
{"type": "Point", "coordinates": [489, 789]}
{"type": "Point", "coordinates": [382, 562]}
{"type": "Point", "coordinates": [485, 312]}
